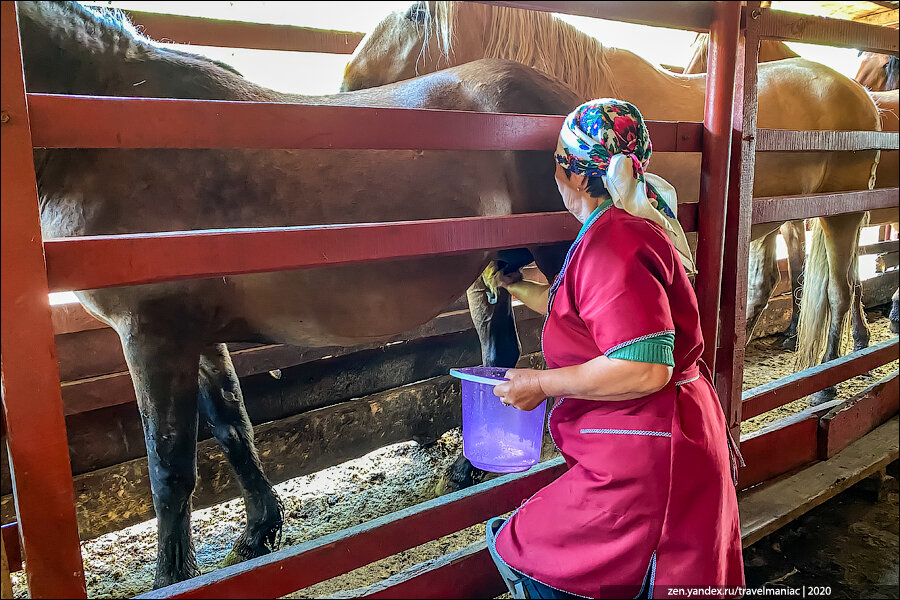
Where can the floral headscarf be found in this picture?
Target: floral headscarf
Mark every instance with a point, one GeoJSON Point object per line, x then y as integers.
{"type": "Point", "coordinates": [607, 138]}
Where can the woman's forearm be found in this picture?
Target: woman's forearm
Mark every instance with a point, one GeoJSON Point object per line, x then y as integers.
{"type": "Point", "coordinates": [531, 293]}
{"type": "Point", "coordinates": [606, 379]}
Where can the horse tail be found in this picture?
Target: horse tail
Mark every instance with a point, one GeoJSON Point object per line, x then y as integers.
{"type": "Point", "coordinates": [815, 305]}
{"type": "Point", "coordinates": [815, 309]}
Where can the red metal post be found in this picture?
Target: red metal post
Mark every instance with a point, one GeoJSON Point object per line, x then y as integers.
{"type": "Point", "coordinates": [723, 42]}
{"type": "Point", "coordinates": [730, 359]}
{"type": "Point", "coordinates": [32, 405]}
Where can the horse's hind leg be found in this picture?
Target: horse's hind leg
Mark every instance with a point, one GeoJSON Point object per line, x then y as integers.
{"type": "Point", "coordinates": [858, 324]}
{"type": "Point", "coordinates": [794, 234]}
{"type": "Point", "coordinates": [841, 241]}
{"type": "Point", "coordinates": [895, 312]}
{"type": "Point", "coordinates": [164, 372]}
{"type": "Point", "coordinates": [496, 327]}
{"type": "Point", "coordinates": [222, 406]}
{"type": "Point", "coordinates": [762, 277]}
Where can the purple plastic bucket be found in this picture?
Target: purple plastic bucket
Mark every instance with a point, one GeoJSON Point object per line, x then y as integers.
{"type": "Point", "coordinates": [497, 438]}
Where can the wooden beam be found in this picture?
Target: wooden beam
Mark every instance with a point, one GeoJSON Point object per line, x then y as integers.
{"type": "Point", "coordinates": [791, 208]}
{"type": "Point", "coordinates": [763, 511]}
{"type": "Point", "coordinates": [880, 247]}
{"type": "Point", "coordinates": [202, 31]}
{"type": "Point", "coordinates": [95, 122]}
{"type": "Point", "coordinates": [770, 507]}
{"type": "Point", "coordinates": [782, 447]}
{"type": "Point", "coordinates": [859, 415]}
{"type": "Point", "coordinates": [89, 358]}
{"type": "Point", "coordinates": [466, 573]}
{"type": "Point", "coordinates": [787, 389]}
{"type": "Point", "coordinates": [886, 18]}
{"type": "Point", "coordinates": [5, 581]}
{"type": "Point", "coordinates": [118, 496]}
{"type": "Point", "coordinates": [73, 318]}
{"type": "Point", "coordinates": [693, 16]}
{"type": "Point", "coordinates": [785, 140]}
{"type": "Point", "coordinates": [10, 536]}
{"type": "Point", "coordinates": [792, 27]}
{"type": "Point", "coordinates": [887, 260]}
{"type": "Point", "coordinates": [300, 566]}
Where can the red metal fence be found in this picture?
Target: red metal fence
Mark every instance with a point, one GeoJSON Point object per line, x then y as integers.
{"type": "Point", "coordinates": [33, 410]}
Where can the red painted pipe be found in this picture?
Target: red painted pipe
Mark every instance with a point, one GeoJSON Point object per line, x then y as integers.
{"type": "Point", "coordinates": [723, 41]}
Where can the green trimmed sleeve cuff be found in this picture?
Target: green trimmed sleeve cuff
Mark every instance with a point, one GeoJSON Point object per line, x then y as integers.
{"type": "Point", "coordinates": [656, 350]}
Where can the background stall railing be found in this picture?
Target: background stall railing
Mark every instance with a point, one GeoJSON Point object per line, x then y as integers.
{"type": "Point", "coordinates": [53, 542]}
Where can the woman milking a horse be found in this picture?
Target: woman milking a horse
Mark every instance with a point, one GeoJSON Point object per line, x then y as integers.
{"type": "Point", "coordinates": [648, 503]}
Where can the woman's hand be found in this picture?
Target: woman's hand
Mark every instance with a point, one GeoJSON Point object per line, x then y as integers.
{"type": "Point", "coordinates": [523, 390]}
{"type": "Point", "coordinates": [495, 278]}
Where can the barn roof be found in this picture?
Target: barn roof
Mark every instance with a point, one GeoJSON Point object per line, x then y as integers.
{"type": "Point", "coordinates": [874, 13]}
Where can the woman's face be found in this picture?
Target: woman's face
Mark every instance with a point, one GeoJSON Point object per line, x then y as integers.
{"type": "Point", "coordinates": [572, 189]}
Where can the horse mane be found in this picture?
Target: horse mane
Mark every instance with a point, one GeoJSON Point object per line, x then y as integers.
{"type": "Point", "coordinates": [892, 73]}
{"type": "Point", "coordinates": [533, 38]}
{"type": "Point", "coordinates": [769, 51]}
{"type": "Point", "coordinates": [111, 27]}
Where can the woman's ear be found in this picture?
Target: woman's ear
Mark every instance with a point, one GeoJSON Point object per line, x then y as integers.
{"type": "Point", "coordinates": [580, 182]}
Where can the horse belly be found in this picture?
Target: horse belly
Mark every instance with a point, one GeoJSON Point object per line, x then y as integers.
{"type": "Point", "coordinates": [352, 304]}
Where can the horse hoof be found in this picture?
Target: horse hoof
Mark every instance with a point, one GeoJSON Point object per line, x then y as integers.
{"type": "Point", "coordinates": [789, 343]}
{"type": "Point", "coordinates": [445, 486]}
{"type": "Point", "coordinates": [826, 395]}
{"type": "Point", "coordinates": [233, 558]}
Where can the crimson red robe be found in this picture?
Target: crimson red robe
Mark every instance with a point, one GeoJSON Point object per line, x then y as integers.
{"type": "Point", "coordinates": [649, 493]}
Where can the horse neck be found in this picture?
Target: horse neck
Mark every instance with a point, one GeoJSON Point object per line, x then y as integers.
{"type": "Point", "coordinates": [660, 95]}
{"type": "Point", "coordinates": [578, 60]}
{"type": "Point", "coordinates": [770, 50]}
{"type": "Point", "coordinates": [68, 49]}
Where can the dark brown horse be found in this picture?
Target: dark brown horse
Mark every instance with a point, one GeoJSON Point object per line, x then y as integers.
{"type": "Point", "coordinates": [173, 334]}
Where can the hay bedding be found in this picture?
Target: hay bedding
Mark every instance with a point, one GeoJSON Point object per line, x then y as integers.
{"type": "Point", "coordinates": [392, 478]}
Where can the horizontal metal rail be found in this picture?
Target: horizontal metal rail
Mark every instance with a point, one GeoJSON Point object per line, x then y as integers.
{"type": "Point", "coordinates": [880, 247]}
{"type": "Point", "coordinates": [150, 258]}
{"type": "Point", "coordinates": [793, 27]}
{"type": "Point", "coordinates": [103, 122]}
{"type": "Point", "coordinates": [59, 121]}
{"type": "Point", "coordinates": [797, 385]}
{"type": "Point", "coordinates": [290, 569]}
{"type": "Point", "coordinates": [790, 208]}
{"type": "Point", "coordinates": [202, 31]}
{"type": "Point", "coordinates": [783, 140]}
{"type": "Point", "coordinates": [693, 16]}
{"type": "Point", "coordinates": [133, 259]}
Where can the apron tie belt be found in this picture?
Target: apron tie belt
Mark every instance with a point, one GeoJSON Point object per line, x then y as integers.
{"type": "Point", "coordinates": [734, 452]}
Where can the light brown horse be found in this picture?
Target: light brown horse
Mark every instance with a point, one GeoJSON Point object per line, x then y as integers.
{"type": "Point", "coordinates": [793, 232]}
{"type": "Point", "coordinates": [879, 72]}
{"type": "Point", "coordinates": [173, 333]}
{"type": "Point", "coordinates": [433, 35]}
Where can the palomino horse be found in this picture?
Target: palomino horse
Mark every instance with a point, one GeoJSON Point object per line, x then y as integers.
{"type": "Point", "coordinates": [793, 232]}
{"type": "Point", "coordinates": [173, 333]}
{"type": "Point", "coordinates": [433, 35]}
{"type": "Point", "coordinates": [878, 73]}
{"type": "Point", "coordinates": [881, 74]}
